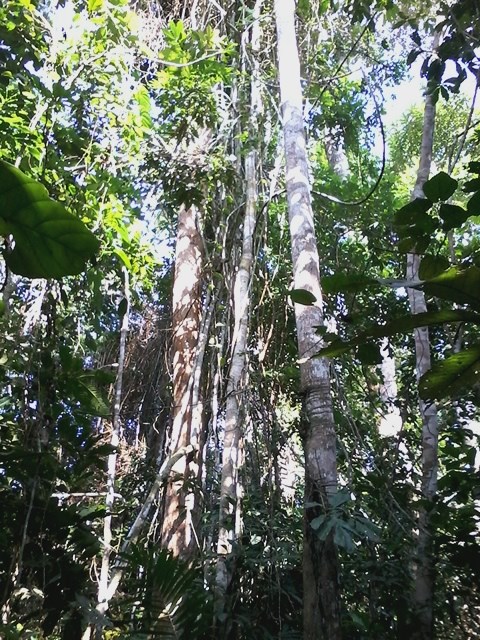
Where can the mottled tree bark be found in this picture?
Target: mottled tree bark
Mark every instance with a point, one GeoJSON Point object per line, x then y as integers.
{"type": "Point", "coordinates": [230, 519]}
{"type": "Point", "coordinates": [178, 528]}
{"type": "Point", "coordinates": [425, 566]}
{"type": "Point", "coordinates": [230, 514]}
{"type": "Point", "coordinates": [103, 601]}
{"type": "Point", "coordinates": [320, 583]}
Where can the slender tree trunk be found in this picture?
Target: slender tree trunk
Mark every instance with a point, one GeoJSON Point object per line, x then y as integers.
{"type": "Point", "coordinates": [141, 520]}
{"type": "Point", "coordinates": [230, 515]}
{"type": "Point", "coordinates": [178, 533]}
{"type": "Point", "coordinates": [424, 577]}
{"type": "Point", "coordinates": [320, 583]}
{"type": "Point", "coordinates": [102, 594]}
{"type": "Point", "coordinates": [231, 490]}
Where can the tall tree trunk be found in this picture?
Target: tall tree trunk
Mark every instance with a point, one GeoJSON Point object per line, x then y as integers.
{"type": "Point", "coordinates": [320, 567]}
{"type": "Point", "coordinates": [230, 516]}
{"type": "Point", "coordinates": [230, 519]}
{"type": "Point", "coordinates": [178, 532]}
{"type": "Point", "coordinates": [424, 577]}
{"type": "Point", "coordinates": [103, 596]}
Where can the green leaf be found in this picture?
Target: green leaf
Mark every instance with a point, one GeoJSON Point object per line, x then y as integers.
{"type": "Point", "coordinates": [180, 598]}
{"type": "Point", "coordinates": [432, 266]}
{"type": "Point", "coordinates": [143, 99]}
{"type": "Point", "coordinates": [445, 94]}
{"type": "Point", "coordinates": [460, 286]}
{"type": "Point", "coordinates": [406, 245]}
{"type": "Point", "coordinates": [473, 205]}
{"type": "Point", "coordinates": [343, 539]}
{"type": "Point", "coordinates": [453, 216]}
{"type": "Point", "coordinates": [413, 55]}
{"type": "Point", "coordinates": [451, 376]}
{"type": "Point", "coordinates": [49, 241]}
{"type": "Point", "coordinates": [94, 5]}
{"type": "Point", "coordinates": [416, 38]}
{"type": "Point", "coordinates": [327, 526]}
{"type": "Point", "coordinates": [123, 257]}
{"type": "Point", "coordinates": [369, 353]}
{"type": "Point", "coordinates": [122, 307]}
{"type": "Point", "coordinates": [403, 324]}
{"type": "Point", "coordinates": [440, 187]}
{"type": "Point", "coordinates": [367, 528]}
{"type": "Point", "coordinates": [409, 213]}
{"type": "Point", "coordinates": [472, 185]}
{"type": "Point", "coordinates": [414, 245]}
{"type": "Point", "coordinates": [474, 167]}
{"type": "Point", "coordinates": [317, 522]}
{"type": "Point", "coordinates": [346, 282]}
{"type": "Point", "coordinates": [93, 398]}
{"type": "Point", "coordinates": [302, 296]}
{"type": "Point", "coordinates": [435, 70]}
{"type": "Point", "coordinates": [339, 498]}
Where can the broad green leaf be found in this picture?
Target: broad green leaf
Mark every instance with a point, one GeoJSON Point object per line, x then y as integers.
{"type": "Point", "coordinates": [473, 205]}
{"type": "Point", "coordinates": [440, 187]}
{"type": "Point", "coordinates": [399, 325]}
{"type": "Point", "coordinates": [409, 213]}
{"type": "Point", "coordinates": [49, 241]}
{"type": "Point", "coordinates": [406, 245]}
{"type": "Point", "coordinates": [339, 498]}
{"type": "Point", "coordinates": [143, 99]}
{"type": "Point", "coordinates": [317, 522]}
{"type": "Point", "coordinates": [362, 623]}
{"type": "Point", "coordinates": [324, 531]}
{"type": "Point", "coordinates": [460, 286]}
{"type": "Point", "coordinates": [453, 216]}
{"type": "Point", "coordinates": [302, 296]}
{"type": "Point", "coordinates": [451, 376]}
{"type": "Point", "coordinates": [422, 224]}
{"type": "Point", "coordinates": [432, 266]}
{"type": "Point", "coordinates": [367, 528]}
{"type": "Point", "coordinates": [369, 353]}
{"type": "Point", "coordinates": [413, 55]}
{"type": "Point", "coordinates": [346, 282]}
{"type": "Point", "coordinates": [474, 167]}
{"type": "Point", "coordinates": [472, 185]}
{"type": "Point", "coordinates": [414, 245]}
{"type": "Point", "coordinates": [343, 539]}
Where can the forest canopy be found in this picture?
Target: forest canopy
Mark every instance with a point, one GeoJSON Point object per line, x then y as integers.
{"type": "Point", "coordinates": [240, 352]}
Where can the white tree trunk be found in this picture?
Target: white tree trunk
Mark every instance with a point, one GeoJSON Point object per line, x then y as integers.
{"type": "Point", "coordinates": [321, 593]}
{"type": "Point", "coordinates": [103, 600]}
{"type": "Point", "coordinates": [424, 577]}
{"type": "Point", "coordinates": [230, 488]}
{"type": "Point", "coordinates": [230, 517]}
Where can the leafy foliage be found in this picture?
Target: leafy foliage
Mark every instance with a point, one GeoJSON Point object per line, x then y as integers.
{"type": "Point", "coordinates": [175, 600]}
{"type": "Point", "coordinates": [459, 285]}
{"type": "Point", "coordinates": [127, 115]}
{"type": "Point", "coordinates": [49, 242]}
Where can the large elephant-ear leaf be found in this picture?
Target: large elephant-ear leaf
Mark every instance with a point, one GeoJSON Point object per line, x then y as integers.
{"type": "Point", "coordinates": [452, 376]}
{"type": "Point", "coordinates": [49, 241]}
